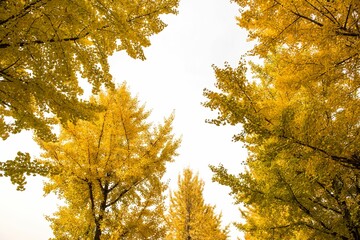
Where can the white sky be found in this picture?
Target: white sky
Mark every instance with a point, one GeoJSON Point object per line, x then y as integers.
{"type": "Point", "coordinates": [177, 69]}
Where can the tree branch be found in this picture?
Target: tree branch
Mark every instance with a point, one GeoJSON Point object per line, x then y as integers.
{"type": "Point", "coordinates": [52, 40]}
{"type": "Point", "coordinates": [126, 190]}
{"type": "Point", "coordinates": [332, 18]}
{"type": "Point", "coordinates": [100, 136]}
{"type": "Point", "coordinates": [307, 18]}
{"type": "Point", "coordinates": [324, 206]}
{"type": "Point", "coordinates": [92, 201]}
{"type": "Point", "coordinates": [24, 11]}
{"type": "Point", "coordinates": [347, 16]}
{"type": "Point", "coordinates": [354, 161]}
{"type": "Point", "coordinates": [301, 16]}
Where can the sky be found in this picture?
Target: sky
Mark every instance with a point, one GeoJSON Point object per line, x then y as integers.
{"type": "Point", "coordinates": [172, 78]}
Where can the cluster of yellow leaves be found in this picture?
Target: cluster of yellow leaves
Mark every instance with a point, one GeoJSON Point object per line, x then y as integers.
{"type": "Point", "coordinates": [327, 26]}
{"type": "Point", "coordinates": [300, 120]}
{"type": "Point", "coordinates": [22, 166]}
{"type": "Point", "coordinates": [189, 217]}
{"type": "Point", "coordinates": [109, 171]}
{"type": "Point", "coordinates": [46, 44]}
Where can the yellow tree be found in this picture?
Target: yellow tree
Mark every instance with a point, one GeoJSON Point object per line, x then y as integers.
{"type": "Point", "coordinates": [311, 52]}
{"type": "Point", "coordinates": [328, 29]}
{"type": "Point", "coordinates": [108, 172]}
{"type": "Point", "coordinates": [302, 173]}
{"type": "Point", "coordinates": [284, 200]}
{"type": "Point", "coordinates": [300, 119]}
{"type": "Point", "coordinates": [45, 45]}
{"type": "Point", "coordinates": [189, 217]}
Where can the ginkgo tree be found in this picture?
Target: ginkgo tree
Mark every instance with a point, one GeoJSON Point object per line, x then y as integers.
{"type": "Point", "coordinates": [303, 146]}
{"type": "Point", "coordinates": [287, 197]}
{"type": "Point", "coordinates": [311, 52]}
{"type": "Point", "coordinates": [329, 29]}
{"type": "Point", "coordinates": [44, 44]}
{"type": "Point", "coordinates": [47, 45]}
{"type": "Point", "coordinates": [189, 217]}
{"type": "Point", "coordinates": [108, 172]}
{"type": "Point", "coordinates": [300, 118]}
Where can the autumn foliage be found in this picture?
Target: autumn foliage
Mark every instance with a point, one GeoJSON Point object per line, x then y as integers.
{"type": "Point", "coordinates": [298, 110]}
{"type": "Point", "coordinates": [300, 117]}
{"type": "Point", "coordinates": [189, 217]}
{"type": "Point", "coordinates": [47, 45]}
{"type": "Point", "coordinates": [108, 172]}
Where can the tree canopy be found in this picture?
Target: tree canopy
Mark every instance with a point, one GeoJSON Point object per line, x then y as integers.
{"type": "Point", "coordinates": [46, 45]}
{"type": "Point", "coordinates": [300, 120]}
{"type": "Point", "coordinates": [189, 216]}
{"type": "Point", "coordinates": [108, 172]}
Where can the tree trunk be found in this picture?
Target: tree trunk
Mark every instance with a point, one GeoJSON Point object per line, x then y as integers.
{"type": "Point", "coordinates": [105, 192]}
{"type": "Point", "coordinates": [97, 231]}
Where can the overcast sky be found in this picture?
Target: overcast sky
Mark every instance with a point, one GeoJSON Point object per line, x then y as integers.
{"type": "Point", "coordinates": [172, 79]}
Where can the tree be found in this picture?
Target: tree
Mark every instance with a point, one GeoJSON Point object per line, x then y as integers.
{"type": "Point", "coordinates": [329, 29]}
{"type": "Point", "coordinates": [312, 51]}
{"type": "Point", "coordinates": [302, 154]}
{"type": "Point", "coordinates": [300, 118]}
{"type": "Point", "coordinates": [46, 45]}
{"type": "Point", "coordinates": [189, 217]}
{"type": "Point", "coordinates": [284, 200]}
{"type": "Point", "coordinates": [108, 172]}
